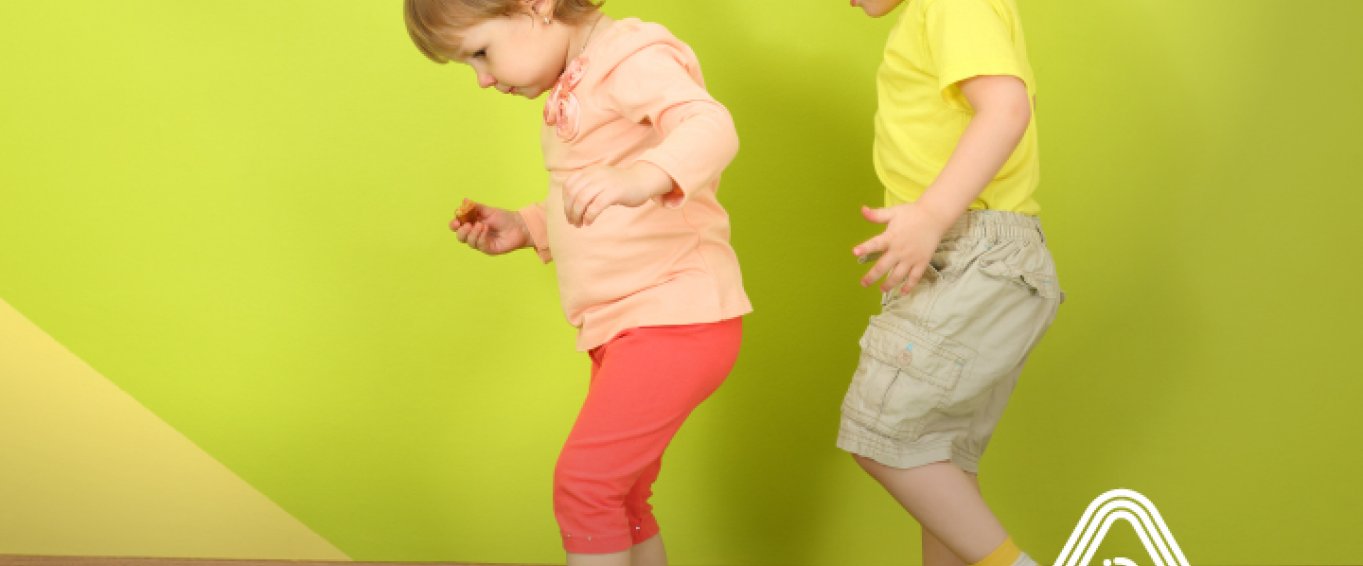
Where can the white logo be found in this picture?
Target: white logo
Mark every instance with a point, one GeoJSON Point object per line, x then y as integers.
{"type": "Point", "coordinates": [1133, 508]}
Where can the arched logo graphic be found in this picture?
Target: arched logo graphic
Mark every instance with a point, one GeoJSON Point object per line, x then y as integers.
{"type": "Point", "coordinates": [1133, 508]}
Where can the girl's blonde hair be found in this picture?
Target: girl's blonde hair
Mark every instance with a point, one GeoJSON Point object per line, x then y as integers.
{"type": "Point", "coordinates": [436, 25]}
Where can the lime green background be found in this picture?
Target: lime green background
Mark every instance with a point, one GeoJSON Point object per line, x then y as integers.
{"type": "Point", "coordinates": [235, 211]}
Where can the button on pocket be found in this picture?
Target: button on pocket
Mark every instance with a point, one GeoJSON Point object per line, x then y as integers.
{"type": "Point", "coordinates": [904, 374]}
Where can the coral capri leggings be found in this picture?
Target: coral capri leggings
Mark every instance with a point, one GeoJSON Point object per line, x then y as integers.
{"type": "Point", "coordinates": [645, 382]}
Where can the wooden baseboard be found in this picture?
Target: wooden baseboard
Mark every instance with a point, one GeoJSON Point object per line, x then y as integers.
{"type": "Point", "coordinates": [22, 560]}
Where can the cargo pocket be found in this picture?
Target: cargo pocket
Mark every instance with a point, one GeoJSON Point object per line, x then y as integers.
{"type": "Point", "coordinates": [903, 376]}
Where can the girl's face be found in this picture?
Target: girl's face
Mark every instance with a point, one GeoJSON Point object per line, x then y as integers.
{"type": "Point", "coordinates": [877, 8]}
{"type": "Point", "coordinates": [516, 54]}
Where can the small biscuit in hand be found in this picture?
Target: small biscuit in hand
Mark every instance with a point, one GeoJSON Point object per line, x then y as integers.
{"type": "Point", "coordinates": [467, 213]}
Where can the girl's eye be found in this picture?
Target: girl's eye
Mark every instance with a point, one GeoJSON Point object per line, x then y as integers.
{"type": "Point", "coordinates": [479, 54]}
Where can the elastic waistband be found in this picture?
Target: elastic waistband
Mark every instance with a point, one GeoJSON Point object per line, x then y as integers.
{"type": "Point", "coordinates": [995, 225]}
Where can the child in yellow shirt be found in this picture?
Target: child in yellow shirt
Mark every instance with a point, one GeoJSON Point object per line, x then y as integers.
{"type": "Point", "coordinates": [969, 284]}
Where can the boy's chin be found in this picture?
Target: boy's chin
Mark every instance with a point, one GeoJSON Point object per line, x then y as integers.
{"type": "Point", "coordinates": [876, 8]}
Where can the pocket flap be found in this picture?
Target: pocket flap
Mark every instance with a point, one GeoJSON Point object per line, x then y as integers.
{"type": "Point", "coordinates": [925, 357]}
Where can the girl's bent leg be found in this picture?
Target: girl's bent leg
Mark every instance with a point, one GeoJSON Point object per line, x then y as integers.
{"type": "Point", "coordinates": [649, 553]}
{"type": "Point", "coordinates": [645, 383]}
{"type": "Point", "coordinates": [643, 525]}
{"type": "Point", "coordinates": [610, 559]}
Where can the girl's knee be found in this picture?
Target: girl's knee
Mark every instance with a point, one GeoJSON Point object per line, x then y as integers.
{"type": "Point", "coordinates": [585, 489]}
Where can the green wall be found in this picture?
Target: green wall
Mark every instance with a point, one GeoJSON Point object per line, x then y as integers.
{"type": "Point", "coordinates": [235, 212]}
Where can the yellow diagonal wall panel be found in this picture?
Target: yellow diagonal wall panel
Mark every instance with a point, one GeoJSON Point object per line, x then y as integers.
{"type": "Point", "coordinates": [87, 470]}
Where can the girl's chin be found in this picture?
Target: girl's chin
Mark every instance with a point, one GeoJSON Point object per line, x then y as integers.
{"type": "Point", "coordinates": [530, 92]}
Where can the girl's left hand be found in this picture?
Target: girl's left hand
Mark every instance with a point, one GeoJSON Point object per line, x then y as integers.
{"type": "Point", "coordinates": [588, 192]}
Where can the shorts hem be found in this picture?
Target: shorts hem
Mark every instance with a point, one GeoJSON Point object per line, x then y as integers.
{"type": "Point", "coordinates": [895, 456]}
{"type": "Point", "coordinates": [966, 461]}
{"type": "Point", "coordinates": [645, 531]}
{"type": "Point", "coordinates": [610, 544]}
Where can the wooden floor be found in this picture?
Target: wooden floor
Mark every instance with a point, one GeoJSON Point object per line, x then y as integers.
{"type": "Point", "coordinates": [12, 560]}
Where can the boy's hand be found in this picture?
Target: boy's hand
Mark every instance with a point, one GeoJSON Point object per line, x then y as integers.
{"type": "Point", "coordinates": [493, 231]}
{"type": "Point", "coordinates": [588, 192]}
{"type": "Point", "coordinates": [911, 235]}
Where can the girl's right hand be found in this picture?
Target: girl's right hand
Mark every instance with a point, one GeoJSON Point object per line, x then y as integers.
{"type": "Point", "coordinates": [493, 231]}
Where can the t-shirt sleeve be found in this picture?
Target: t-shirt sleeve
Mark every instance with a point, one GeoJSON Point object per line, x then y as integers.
{"type": "Point", "coordinates": [969, 38]}
{"type": "Point", "coordinates": [533, 216]}
{"type": "Point", "coordinates": [655, 85]}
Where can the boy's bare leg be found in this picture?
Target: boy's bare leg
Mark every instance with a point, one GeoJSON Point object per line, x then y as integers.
{"type": "Point", "coordinates": [937, 554]}
{"type": "Point", "coordinates": [945, 501]}
{"type": "Point", "coordinates": [647, 553]}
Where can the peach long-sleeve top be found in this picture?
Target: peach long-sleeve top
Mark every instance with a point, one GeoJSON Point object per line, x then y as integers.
{"type": "Point", "coordinates": [636, 94]}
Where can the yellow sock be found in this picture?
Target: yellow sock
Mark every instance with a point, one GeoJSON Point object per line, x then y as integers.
{"type": "Point", "coordinates": [1005, 555]}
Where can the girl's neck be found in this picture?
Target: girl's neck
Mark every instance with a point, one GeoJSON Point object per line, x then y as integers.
{"type": "Point", "coordinates": [587, 33]}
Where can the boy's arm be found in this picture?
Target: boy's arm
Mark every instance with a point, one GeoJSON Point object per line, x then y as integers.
{"type": "Point", "coordinates": [1002, 112]}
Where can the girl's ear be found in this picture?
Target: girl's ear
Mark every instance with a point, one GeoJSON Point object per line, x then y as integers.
{"type": "Point", "coordinates": [542, 9]}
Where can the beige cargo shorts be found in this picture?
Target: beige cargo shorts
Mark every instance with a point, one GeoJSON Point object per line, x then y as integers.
{"type": "Point", "coordinates": [938, 364]}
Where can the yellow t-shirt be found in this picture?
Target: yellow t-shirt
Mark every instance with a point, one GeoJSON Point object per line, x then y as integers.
{"type": "Point", "coordinates": [921, 112]}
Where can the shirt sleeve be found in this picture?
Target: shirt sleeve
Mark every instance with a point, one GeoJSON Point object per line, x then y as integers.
{"type": "Point", "coordinates": [969, 38]}
{"type": "Point", "coordinates": [656, 85]}
{"type": "Point", "coordinates": [533, 216]}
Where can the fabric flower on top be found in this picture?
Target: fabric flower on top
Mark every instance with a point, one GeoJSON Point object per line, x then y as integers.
{"type": "Point", "coordinates": [562, 110]}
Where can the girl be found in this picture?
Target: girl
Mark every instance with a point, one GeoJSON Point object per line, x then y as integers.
{"type": "Point", "coordinates": [634, 146]}
{"type": "Point", "coordinates": [969, 285]}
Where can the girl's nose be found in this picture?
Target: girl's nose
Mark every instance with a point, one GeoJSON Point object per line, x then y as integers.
{"type": "Point", "coordinates": [485, 80]}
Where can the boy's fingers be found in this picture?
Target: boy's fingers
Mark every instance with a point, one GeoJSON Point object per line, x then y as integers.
{"type": "Point", "coordinates": [877, 215]}
{"type": "Point", "coordinates": [877, 270]}
{"type": "Point", "coordinates": [895, 277]}
{"type": "Point", "coordinates": [867, 279]}
{"type": "Point", "coordinates": [873, 246]}
{"type": "Point", "coordinates": [914, 277]}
